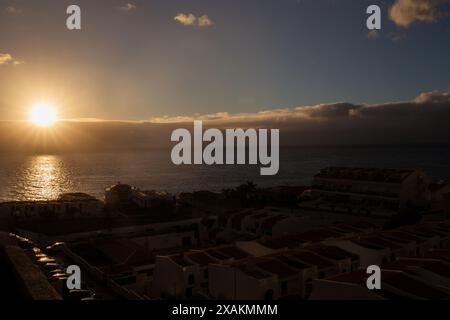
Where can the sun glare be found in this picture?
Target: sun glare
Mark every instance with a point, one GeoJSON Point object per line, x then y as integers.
{"type": "Point", "coordinates": [43, 114]}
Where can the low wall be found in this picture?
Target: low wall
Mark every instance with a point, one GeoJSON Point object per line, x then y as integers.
{"type": "Point", "coordinates": [29, 279]}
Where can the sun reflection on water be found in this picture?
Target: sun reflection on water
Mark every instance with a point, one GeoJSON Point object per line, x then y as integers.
{"type": "Point", "coordinates": [45, 177]}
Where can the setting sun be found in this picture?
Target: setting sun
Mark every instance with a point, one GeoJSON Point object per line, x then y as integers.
{"type": "Point", "coordinates": [43, 114]}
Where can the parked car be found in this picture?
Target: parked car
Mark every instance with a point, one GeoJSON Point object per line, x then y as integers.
{"type": "Point", "coordinates": [80, 294]}
{"type": "Point", "coordinates": [56, 247]}
{"type": "Point", "coordinates": [45, 260]}
{"type": "Point", "coordinates": [26, 244]}
{"type": "Point", "coordinates": [40, 255]}
{"type": "Point", "coordinates": [50, 266]}
{"type": "Point", "coordinates": [52, 272]}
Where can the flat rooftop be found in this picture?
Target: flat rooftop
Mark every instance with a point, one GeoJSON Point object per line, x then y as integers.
{"type": "Point", "coordinates": [200, 258]}
{"type": "Point", "coordinates": [312, 258]}
{"type": "Point", "coordinates": [277, 267]}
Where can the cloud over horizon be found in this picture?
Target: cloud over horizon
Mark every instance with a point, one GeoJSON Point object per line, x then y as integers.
{"type": "Point", "coordinates": [405, 12]}
{"type": "Point", "coordinates": [422, 120]}
{"type": "Point", "coordinates": [424, 102]}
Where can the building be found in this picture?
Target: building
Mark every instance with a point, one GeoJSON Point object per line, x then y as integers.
{"type": "Point", "coordinates": [325, 267]}
{"type": "Point", "coordinates": [175, 277]}
{"type": "Point", "coordinates": [271, 245]}
{"type": "Point", "coordinates": [440, 254]}
{"type": "Point", "coordinates": [368, 253]}
{"type": "Point", "coordinates": [431, 271]}
{"type": "Point", "coordinates": [186, 274]}
{"type": "Point", "coordinates": [239, 281]}
{"type": "Point", "coordinates": [203, 260]}
{"type": "Point", "coordinates": [343, 260]}
{"type": "Point", "coordinates": [396, 249]}
{"type": "Point", "coordinates": [132, 197]}
{"type": "Point", "coordinates": [67, 205]}
{"type": "Point", "coordinates": [395, 284]}
{"type": "Point", "coordinates": [284, 275]}
{"type": "Point", "coordinates": [122, 264]}
{"type": "Point", "coordinates": [118, 194]}
{"type": "Point", "coordinates": [152, 199]}
{"type": "Point", "coordinates": [418, 245]}
{"type": "Point", "coordinates": [440, 197]}
{"type": "Point", "coordinates": [178, 236]}
{"type": "Point", "coordinates": [289, 274]}
{"type": "Point", "coordinates": [268, 221]}
{"type": "Point", "coordinates": [369, 191]}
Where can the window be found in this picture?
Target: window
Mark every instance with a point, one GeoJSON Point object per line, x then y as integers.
{"type": "Point", "coordinates": [186, 242]}
{"type": "Point", "coordinates": [126, 281]}
{"type": "Point", "coordinates": [191, 279]}
{"type": "Point", "coordinates": [284, 288]}
{"type": "Point", "coordinates": [268, 295]}
{"type": "Point", "coordinates": [308, 290]}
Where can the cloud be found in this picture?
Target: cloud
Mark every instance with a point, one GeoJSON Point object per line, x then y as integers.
{"type": "Point", "coordinates": [128, 7]}
{"type": "Point", "coordinates": [186, 19]}
{"type": "Point", "coordinates": [7, 59]}
{"type": "Point", "coordinates": [406, 12]}
{"type": "Point", "coordinates": [204, 21]}
{"type": "Point", "coordinates": [393, 36]}
{"type": "Point", "coordinates": [397, 36]}
{"type": "Point", "coordinates": [434, 97]}
{"type": "Point", "coordinates": [373, 34]}
{"type": "Point", "coordinates": [12, 10]}
{"type": "Point", "coordinates": [192, 20]}
{"type": "Point", "coordinates": [423, 119]}
{"type": "Point", "coordinates": [319, 112]}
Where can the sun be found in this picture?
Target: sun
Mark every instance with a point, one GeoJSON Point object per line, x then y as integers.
{"type": "Point", "coordinates": [43, 114]}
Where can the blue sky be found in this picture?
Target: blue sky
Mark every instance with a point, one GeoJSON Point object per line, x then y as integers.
{"type": "Point", "coordinates": [133, 60]}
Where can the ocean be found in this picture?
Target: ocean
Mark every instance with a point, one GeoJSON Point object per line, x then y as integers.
{"type": "Point", "coordinates": [40, 177]}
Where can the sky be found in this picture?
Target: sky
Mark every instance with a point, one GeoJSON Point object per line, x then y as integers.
{"type": "Point", "coordinates": [163, 60]}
